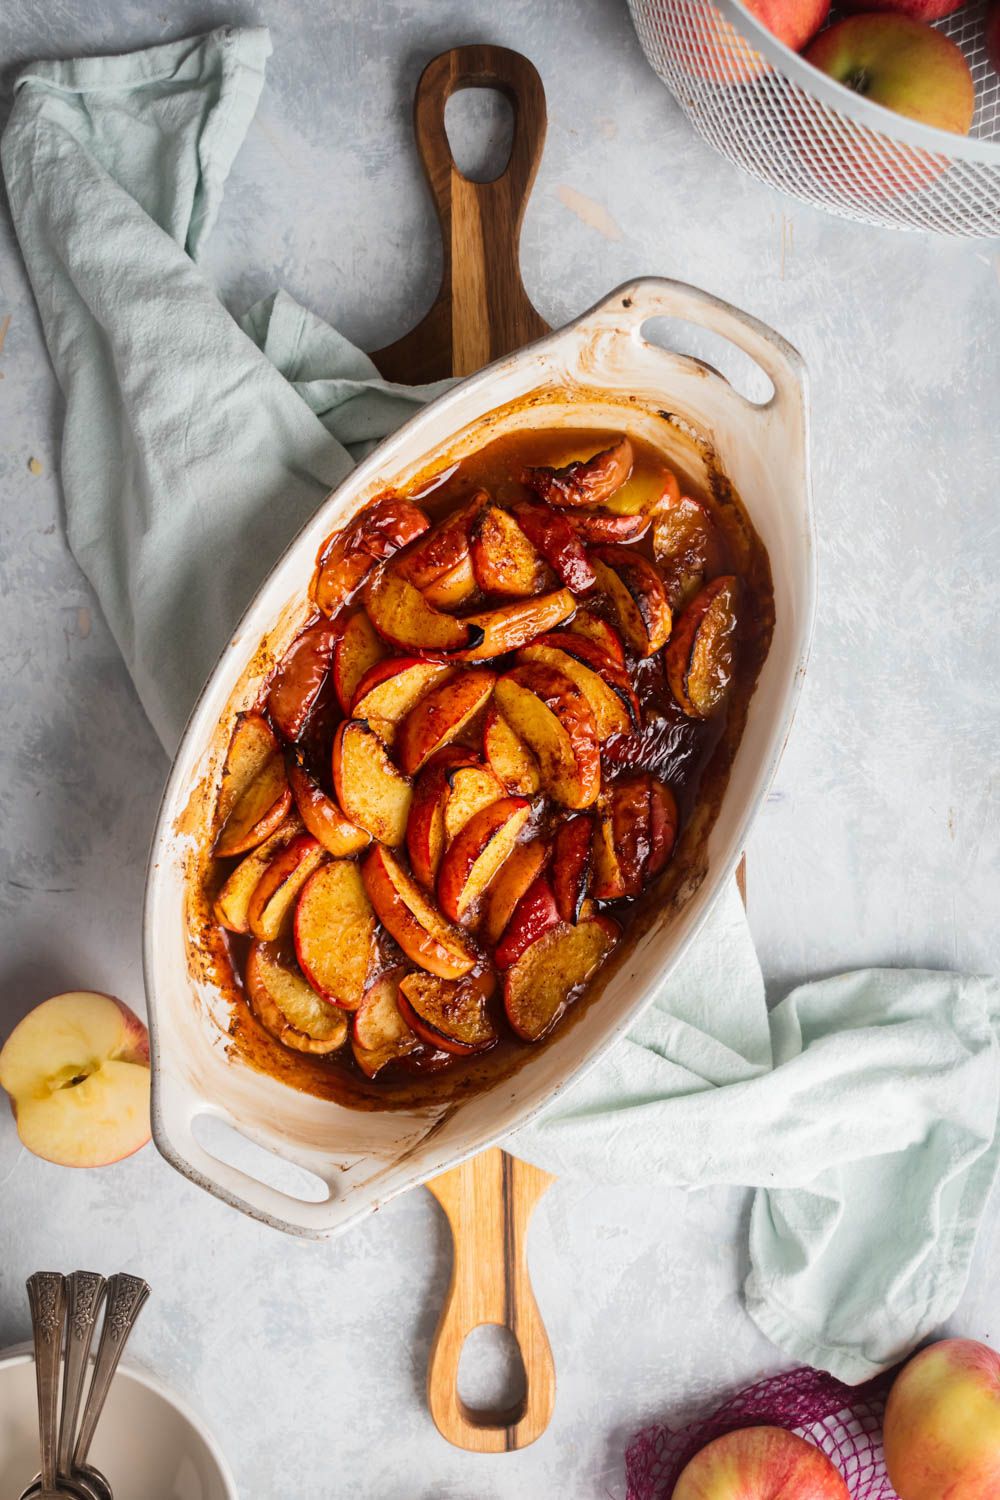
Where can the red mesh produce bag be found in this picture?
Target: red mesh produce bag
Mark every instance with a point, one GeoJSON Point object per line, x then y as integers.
{"type": "Point", "coordinates": [844, 1420]}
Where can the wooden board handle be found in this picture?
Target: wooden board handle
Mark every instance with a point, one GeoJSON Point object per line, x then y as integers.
{"type": "Point", "coordinates": [482, 310]}
{"type": "Point", "coordinates": [489, 1201]}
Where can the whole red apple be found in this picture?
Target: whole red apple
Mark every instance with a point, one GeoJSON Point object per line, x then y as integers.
{"type": "Point", "coordinates": [992, 36]}
{"type": "Point", "coordinates": [719, 52]}
{"type": "Point", "coordinates": [917, 10]}
{"type": "Point", "coordinates": [760, 1463]}
{"type": "Point", "coordinates": [793, 22]}
{"type": "Point", "coordinates": [942, 1424]}
{"type": "Point", "coordinates": [902, 64]}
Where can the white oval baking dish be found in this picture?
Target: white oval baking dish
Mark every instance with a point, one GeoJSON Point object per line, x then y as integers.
{"type": "Point", "coordinates": [583, 375]}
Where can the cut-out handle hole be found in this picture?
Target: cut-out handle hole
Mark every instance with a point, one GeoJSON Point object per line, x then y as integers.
{"type": "Point", "coordinates": [720, 354]}
{"type": "Point", "coordinates": [227, 1145]}
{"type": "Point", "coordinates": [479, 124]}
{"type": "Point", "coordinates": [492, 1385]}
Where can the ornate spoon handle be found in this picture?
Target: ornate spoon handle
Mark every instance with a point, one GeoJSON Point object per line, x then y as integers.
{"type": "Point", "coordinates": [84, 1297]}
{"type": "Point", "coordinates": [47, 1297]}
{"type": "Point", "coordinates": [126, 1299]}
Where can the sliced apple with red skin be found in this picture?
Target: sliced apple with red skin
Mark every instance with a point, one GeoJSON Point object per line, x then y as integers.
{"type": "Point", "coordinates": [271, 907]}
{"type": "Point", "coordinates": [441, 716]}
{"type": "Point", "coordinates": [232, 904]}
{"type": "Point", "coordinates": [608, 881]}
{"type": "Point", "coordinates": [596, 629]}
{"type": "Point", "coordinates": [287, 1005]}
{"type": "Point", "coordinates": [254, 798]}
{"type": "Point", "coordinates": [471, 788]}
{"type": "Point", "coordinates": [299, 679]}
{"type": "Point", "coordinates": [509, 758]}
{"type": "Point", "coordinates": [611, 715]}
{"type": "Point", "coordinates": [390, 688]}
{"type": "Point", "coordinates": [601, 662]}
{"type": "Point", "coordinates": [699, 658]}
{"type": "Point", "coordinates": [571, 867]}
{"type": "Point", "coordinates": [635, 836]}
{"type": "Point", "coordinates": [251, 746]}
{"type": "Point", "coordinates": [663, 824]}
{"type": "Point", "coordinates": [474, 857]}
{"type": "Point", "coordinates": [408, 916]}
{"type": "Point", "coordinates": [371, 791]}
{"type": "Point", "coordinates": [503, 559]}
{"type": "Point", "coordinates": [552, 536]}
{"type": "Point", "coordinates": [553, 971]}
{"type": "Point", "coordinates": [379, 1035]}
{"type": "Point", "coordinates": [425, 828]}
{"type": "Point", "coordinates": [448, 1013]}
{"type": "Point", "coordinates": [349, 555]}
{"type": "Point", "coordinates": [686, 546]}
{"type": "Point", "coordinates": [552, 716]}
{"type": "Point", "coordinates": [534, 914]}
{"type": "Point", "coordinates": [321, 815]}
{"type": "Point", "coordinates": [513, 625]}
{"type": "Point", "coordinates": [635, 590]}
{"type": "Point", "coordinates": [524, 863]}
{"type": "Point", "coordinates": [440, 564]}
{"type": "Point", "coordinates": [645, 492]}
{"type": "Point", "coordinates": [335, 933]}
{"type": "Point", "coordinates": [403, 617]}
{"type": "Point", "coordinates": [355, 653]}
{"type": "Point", "coordinates": [590, 481]}
{"type": "Point", "coordinates": [602, 525]}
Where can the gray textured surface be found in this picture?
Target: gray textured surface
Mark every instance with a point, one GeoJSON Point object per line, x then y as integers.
{"type": "Point", "coordinates": [879, 845]}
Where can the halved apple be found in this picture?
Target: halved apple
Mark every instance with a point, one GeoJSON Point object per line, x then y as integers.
{"type": "Point", "coordinates": [441, 715]}
{"type": "Point", "coordinates": [297, 683]}
{"type": "Point", "coordinates": [596, 629]}
{"type": "Point", "coordinates": [611, 715]}
{"type": "Point", "coordinates": [686, 546]}
{"type": "Point", "coordinates": [553, 971]}
{"type": "Point", "coordinates": [390, 688]}
{"type": "Point", "coordinates": [440, 564]}
{"type": "Point", "coordinates": [407, 915]}
{"type": "Point", "coordinates": [474, 857]}
{"type": "Point", "coordinates": [503, 559]}
{"type": "Point", "coordinates": [402, 616]}
{"type": "Point", "coordinates": [590, 481]}
{"type": "Point", "coordinates": [448, 1013]}
{"type": "Point", "coordinates": [470, 789]}
{"type": "Point", "coordinates": [699, 658]}
{"type": "Point", "coordinates": [370, 790]}
{"type": "Point", "coordinates": [335, 933]}
{"type": "Point", "coordinates": [509, 758]}
{"type": "Point", "coordinates": [233, 901]}
{"type": "Point", "coordinates": [321, 815]}
{"type": "Point", "coordinates": [379, 1035]}
{"type": "Point", "coordinates": [556, 722]}
{"type": "Point", "coordinates": [425, 830]}
{"type": "Point", "coordinates": [288, 1006]}
{"type": "Point", "coordinates": [571, 865]}
{"type": "Point", "coordinates": [663, 823]}
{"type": "Point", "coordinates": [635, 591]}
{"type": "Point", "coordinates": [551, 534]}
{"type": "Point", "coordinates": [254, 798]}
{"type": "Point", "coordinates": [534, 914]}
{"type": "Point", "coordinates": [348, 556]}
{"type": "Point", "coordinates": [513, 625]}
{"type": "Point", "coordinates": [356, 652]}
{"type": "Point", "coordinates": [270, 910]}
{"type": "Point", "coordinates": [525, 862]}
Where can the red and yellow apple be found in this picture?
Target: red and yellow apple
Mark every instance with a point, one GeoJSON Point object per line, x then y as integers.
{"type": "Point", "coordinates": [902, 64]}
{"type": "Point", "coordinates": [77, 1072]}
{"type": "Point", "coordinates": [917, 10]}
{"type": "Point", "coordinates": [942, 1424]}
{"type": "Point", "coordinates": [761, 1463]}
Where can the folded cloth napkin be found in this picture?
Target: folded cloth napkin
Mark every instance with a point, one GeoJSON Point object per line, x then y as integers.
{"type": "Point", "coordinates": [190, 438]}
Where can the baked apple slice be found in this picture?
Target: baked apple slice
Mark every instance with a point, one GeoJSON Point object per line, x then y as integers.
{"type": "Point", "coordinates": [390, 688]}
{"type": "Point", "coordinates": [571, 865]}
{"type": "Point", "coordinates": [551, 715]}
{"type": "Point", "coordinates": [663, 823]}
{"type": "Point", "coordinates": [552, 536]}
{"type": "Point", "coordinates": [252, 744]}
{"type": "Point", "coordinates": [403, 617]}
{"type": "Point", "coordinates": [503, 559]}
{"type": "Point", "coordinates": [524, 863]}
{"type": "Point", "coordinates": [349, 555]}
{"type": "Point", "coordinates": [686, 546]}
{"type": "Point", "coordinates": [407, 915]}
{"type": "Point", "coordinates": [699, 658]}
{"type": "Point", "coordinates": [553, 971]}
{"type": "Point", "coordinates": [590, 481]}
{"type": "Point", "coordinates": [321, 815]}
{"type": "Point", "coordinates": [474, 857]}
{"type": "Point", "coordinates": [441, 716]}
{"type": "Point", "coordinates": [470, 789]}
{"type": "Point", "coordinates": [271, 907]}
{"type": "Point", "coordinates": [509, 758]}
{"type": "Point", "coordinates": [299, 679]}
{"type": "Point", "coordinates": [603, 525]}
{"type": "Point", "coordinates": [596, 629]}
{"type": "Point", "coordinates": [233, 901]}
{"type": "Point", "coordinates": [287, 1005]}
{"type": "Point", "coordinates": [448, 1013]}
{"type": "Point", "coordinates": [610, 706]}
{"type": "Point", "coordinates": [254, 797]}
{"type": "Point", "coordinates": [425, 831]}
{"type": "Point", "coordinates": [635, 592]}
{"type": "Point", "coordinates": [440, 564]}
{"type": "Point", "coordinates": [379, 1035]}
{"type": "Point", "coordinates": [372, 793]}
{"type": "Point", "coordinates": [602, 664]}
{"type": "Point", "coordinates": [635, 836]}
{"type": "Point", "coordinates": [513, 625]}
{"type": "Point", "coordinates": [335, 933]}
{"type": "Point", "coordinates": [534, 914]}
{"type": "Point", "coordinates": [355, 653]}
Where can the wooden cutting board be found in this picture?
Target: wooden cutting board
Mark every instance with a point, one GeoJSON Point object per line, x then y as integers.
{"type": "Point", "coordinates": [481, 312]}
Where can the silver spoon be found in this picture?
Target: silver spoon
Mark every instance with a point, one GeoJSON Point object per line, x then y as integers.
{"type": "Point", "coordinates": [47, 1299]}
{"type": "Point", "coordinates": [126, 1297]}
{"type": "Point", "coordinates": [85, 1293]}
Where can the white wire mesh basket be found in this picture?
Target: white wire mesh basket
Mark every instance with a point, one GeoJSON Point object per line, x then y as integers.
{"type": "Point", "coordinates": [772, 113]}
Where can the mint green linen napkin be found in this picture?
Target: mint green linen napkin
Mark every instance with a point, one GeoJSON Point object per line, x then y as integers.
{"type": "Point", "coordinates": [863, 1110]}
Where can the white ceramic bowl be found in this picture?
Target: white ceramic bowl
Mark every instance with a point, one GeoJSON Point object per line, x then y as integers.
{"type": "Point", "coordinates": [149, 1443]}
{"type": "Point", "coordinates": [599, 372]}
